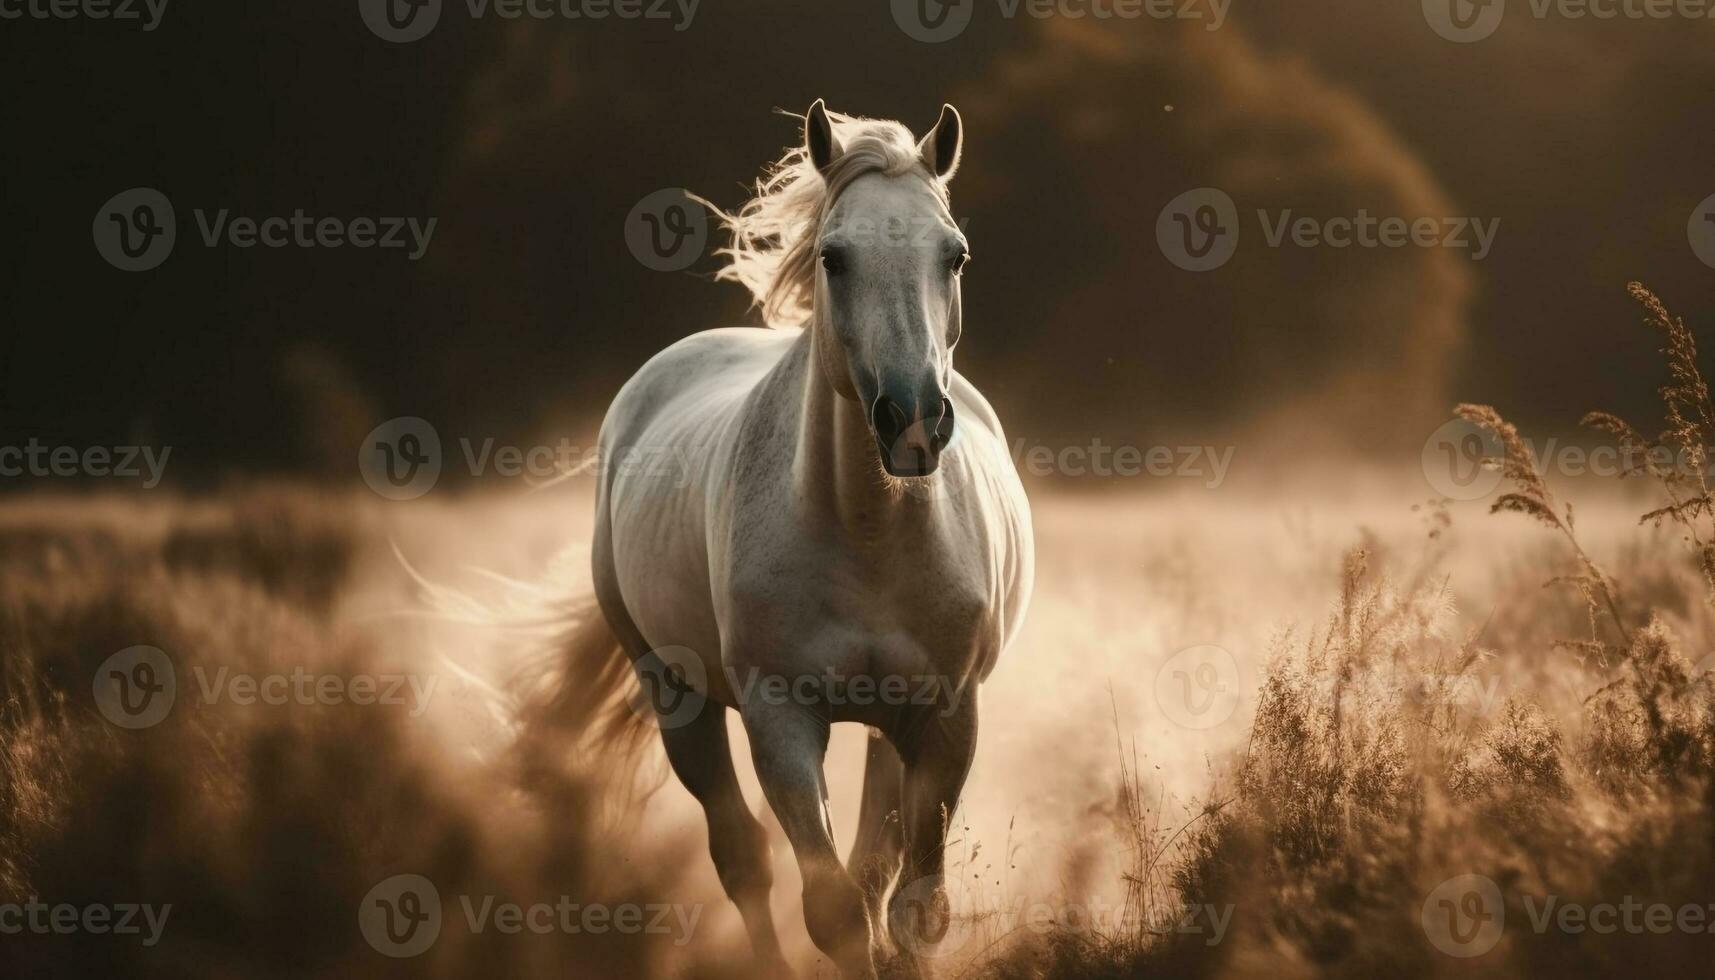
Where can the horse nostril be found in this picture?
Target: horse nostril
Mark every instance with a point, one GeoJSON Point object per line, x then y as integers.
{"type": "Point", "coordinates": [889, 419]}
{"type": "Point", "coordinates": [943, 431]}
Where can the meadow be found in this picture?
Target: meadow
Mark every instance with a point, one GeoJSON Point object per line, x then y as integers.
{"type": "Point", "coordinates": [1313, 721]}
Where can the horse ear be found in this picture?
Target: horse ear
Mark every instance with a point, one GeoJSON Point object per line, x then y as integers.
{"type": "Point", "coordinates": [940, 149]}
{"type": "Point", "coordinates": [819, 136]}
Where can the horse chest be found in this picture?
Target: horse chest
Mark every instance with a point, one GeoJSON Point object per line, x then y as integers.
{"type": "Point", "coordinates": [911, 611]}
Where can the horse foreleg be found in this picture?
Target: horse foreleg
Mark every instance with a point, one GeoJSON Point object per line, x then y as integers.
{"type": "Point", "coordinates": [937, 752]}
{"type": "Point", "coordinates": [788, 743]}
{"type": "Point", "coordinates": [875, 855]}
{"type": "Point", "coordinates": [702, 759]}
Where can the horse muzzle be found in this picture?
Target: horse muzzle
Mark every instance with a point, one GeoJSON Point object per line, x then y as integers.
{"type": "Point", "coordinates": [910, 439]}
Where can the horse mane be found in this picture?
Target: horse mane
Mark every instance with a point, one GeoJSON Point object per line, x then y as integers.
{"type": "Point", "coordinates": [772, 251]}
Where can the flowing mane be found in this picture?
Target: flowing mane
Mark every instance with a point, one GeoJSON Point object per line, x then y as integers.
{"type": "Point", "coordinates": [772, 253]}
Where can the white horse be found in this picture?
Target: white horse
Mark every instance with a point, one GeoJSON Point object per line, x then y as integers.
{"type": "Point", "coordinates": [828, 545]}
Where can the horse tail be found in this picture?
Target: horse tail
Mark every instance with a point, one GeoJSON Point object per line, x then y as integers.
{"type": "Point", "coordinates": [569, 696]}
{"type": "Point", "coordinates": [575, 693]}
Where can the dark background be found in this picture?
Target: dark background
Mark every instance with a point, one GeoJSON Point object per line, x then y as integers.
{"type": "Point", "coordinates": [530, 141]}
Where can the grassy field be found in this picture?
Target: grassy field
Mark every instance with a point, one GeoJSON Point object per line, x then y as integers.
{"type": "Point", "coordinates": [1307, 725]}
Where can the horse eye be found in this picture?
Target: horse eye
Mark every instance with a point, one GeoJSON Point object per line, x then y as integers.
{"type": "Point", "coordinates": [959, 262]}
{"type": "Point", "coordinates": [834, 261]}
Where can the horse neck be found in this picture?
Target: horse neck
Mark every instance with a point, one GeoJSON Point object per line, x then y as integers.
{"type": "Point", "coordinates": [835, 468]}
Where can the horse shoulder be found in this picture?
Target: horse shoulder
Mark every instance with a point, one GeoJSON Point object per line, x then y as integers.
{"type": "Point", "coordinates": [973, 407]}
{"type": "Point", "coordinates": [1007, 509]}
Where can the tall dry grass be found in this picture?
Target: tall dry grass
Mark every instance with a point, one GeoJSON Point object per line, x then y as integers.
{"type": "Point", "coordinates": [1376, 770]}
{"type": "Point", "coordinates": [262, 826]}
